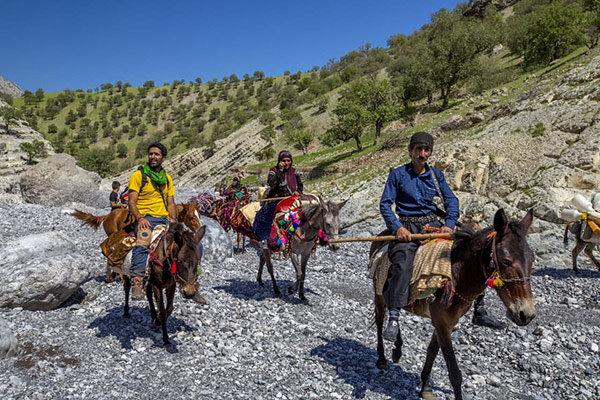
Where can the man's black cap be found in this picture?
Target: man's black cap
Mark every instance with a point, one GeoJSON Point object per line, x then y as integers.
{"type": "Point", "coordinates": [422, 138]}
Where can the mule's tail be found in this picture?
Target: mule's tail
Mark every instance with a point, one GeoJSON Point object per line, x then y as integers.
{"type": "Point", "coordinates": [89, 219]}
{"type": "Point", "coordinates": [566, 236]}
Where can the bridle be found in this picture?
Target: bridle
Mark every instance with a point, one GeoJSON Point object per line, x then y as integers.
{"type": "Point", "coordinates": [495, 279]}
{"type": "Point", "coordinates": [170, 260]}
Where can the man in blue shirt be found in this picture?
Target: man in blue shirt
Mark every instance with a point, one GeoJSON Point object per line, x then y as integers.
{"type": "Point", "coordinates": [412, 188]}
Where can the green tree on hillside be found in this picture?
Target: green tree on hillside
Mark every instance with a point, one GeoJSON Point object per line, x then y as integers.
{"type": "Point", "coordinates": [121, 150]}
{"type": "Point", "coordinates": [97, 159]}
{"type": "Point", "coordinates": [453, 47]}
{"type": "Point", "coordinates": [10, 115]}
{"type": "Point", "coordinates": [39, 95]}
{"type": "Point", "coordinates": [553, 31]}
{"type": "Point", "coordinates": [34, 150]}
{"type": "Point", "coordinates": [592, 16]}
{"type": "Point", "coordinates": [348, 125]}
{"type": "Point", "coordinates": [300, 139]}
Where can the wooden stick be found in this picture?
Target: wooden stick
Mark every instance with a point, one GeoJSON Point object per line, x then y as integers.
{"type": "Point", "coordinates": [415, 236]}
{"type": "Point", "coordinates": [271, 199]}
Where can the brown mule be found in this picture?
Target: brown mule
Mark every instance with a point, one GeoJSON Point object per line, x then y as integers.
{"type": "Point", "coordinates": [475, 256]}
{"type": "Point", "coordinates": [120, 218]}
{"type": "Point", "coordinates": [175, 260]}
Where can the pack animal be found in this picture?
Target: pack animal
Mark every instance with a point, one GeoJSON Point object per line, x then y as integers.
{"type": "Point", "coordinates": [587, 244]}
{"type": "Point", "coordinates": [500, 251]}
{"type": "Point", "coordinates": [175, 260]}
{"type": "Point", "coordinates": [317, 215]}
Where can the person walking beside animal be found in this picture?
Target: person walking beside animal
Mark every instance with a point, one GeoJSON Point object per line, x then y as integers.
{"type": "Point", "coordinates": [114, 196]}
{"type": "Point", "coordinates": [412, 188]}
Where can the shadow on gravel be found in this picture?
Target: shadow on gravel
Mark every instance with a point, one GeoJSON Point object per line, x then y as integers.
{"type": "Point", "coordinates": [355, 364]}
{"type": "Point", "coordinates": [137, 326]}
{"type": "Point", "coordinates": [559, 273]}
{"type": "Point", "coordinates": [246, 290]}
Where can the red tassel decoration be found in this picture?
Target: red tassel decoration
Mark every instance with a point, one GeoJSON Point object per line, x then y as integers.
{"type": "Point", "coordinates": [174, 266]}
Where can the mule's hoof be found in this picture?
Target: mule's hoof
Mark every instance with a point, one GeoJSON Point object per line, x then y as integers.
{"type": "Point", "coordinates": [576, 270]}
{"type": "Point", "coordinates": [427, 394]}
{"type": "Point", "coordinates": [276, 293]}
{"type": "Point", "coordinates": [382, 364]}
{"type": "Point", "coordinates": [396, 356]}
{"type": "Point", "coordinates": [260, 283]}
{"type": "Point", "coordinates": [290, 290]}
{"type": "Point", "coordinates": [126, 315]}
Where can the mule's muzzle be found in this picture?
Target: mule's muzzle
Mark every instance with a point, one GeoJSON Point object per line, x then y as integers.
{"type": "Point", "coordinates": [188, 291]}
{"type": "Point", "coordinates": [521, 312]}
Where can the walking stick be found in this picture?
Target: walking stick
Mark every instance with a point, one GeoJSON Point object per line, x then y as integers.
{"type": "Point", "coordinates": [271, 199]}
{"type": "Point", "coordinates": [415, 236]}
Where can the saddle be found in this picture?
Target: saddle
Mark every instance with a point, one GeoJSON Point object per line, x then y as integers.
{"type": "Point", "coordinates": [431, 269]}
{"type": "Point", "coordinates": [117, 249]}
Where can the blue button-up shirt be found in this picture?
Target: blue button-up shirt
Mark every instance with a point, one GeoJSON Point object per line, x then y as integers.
{"type": "Point", "coordinates": [413, 195]}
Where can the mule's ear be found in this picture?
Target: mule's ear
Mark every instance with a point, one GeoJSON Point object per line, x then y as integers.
{"type": "Point", "coordinates": [199, 234]}
{"type": "Point", "coordinates": [500, 221]}
{"type": "Point", "coordinates": [342, 204]}
{"type": "Point", "coordinates": [527, 220]}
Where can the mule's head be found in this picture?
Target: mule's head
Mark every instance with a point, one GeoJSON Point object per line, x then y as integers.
{"type": "Point", "coordinates": [513, 260]}
{"type": "Point", "coordinates": [185, 250]}
{"type": "Point", "coordinates": [325, 216]}
{"type": "Point", "coordinates": [187, 213]}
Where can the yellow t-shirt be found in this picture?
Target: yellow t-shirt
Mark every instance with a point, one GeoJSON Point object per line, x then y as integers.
{"type": "Point", "coordinates": [149, 200]}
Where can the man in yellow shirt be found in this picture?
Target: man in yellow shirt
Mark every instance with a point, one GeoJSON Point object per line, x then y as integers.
{"type": "Point", "coordinates": [151, 201]}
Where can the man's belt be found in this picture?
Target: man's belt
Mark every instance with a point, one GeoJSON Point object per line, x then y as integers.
{"type": "Point", "coordinates": [418, 218]}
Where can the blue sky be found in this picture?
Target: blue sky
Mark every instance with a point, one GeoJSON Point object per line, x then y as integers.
{"type": "Point", "coordinates": [76, 44]}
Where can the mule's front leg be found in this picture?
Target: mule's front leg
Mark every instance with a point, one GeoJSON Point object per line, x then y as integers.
{"type": "Point", "coordinates": [579, 246]}
{"type": "Point", "coordinates": [151, 308]}
{"type": "Point", "coordinates": [432, 351]}
{"type": "Point", "coordinates": [303, 263]}
{"type": "Point", "coordinates": [445, 342]}
{"type": "Point", "coordinates": [292, 289]}
{"type": "Point", "coordinates": [169, 294]}
{"type": "Point", "coordinates": [162, 314]}
{"type": "Point", "coordinates": [379, 317]}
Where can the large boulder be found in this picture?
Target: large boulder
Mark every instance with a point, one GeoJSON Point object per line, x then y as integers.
{"type": "Point", "coordinates": [41, 271]}
{"type": "Point", "coordinates": [217, 243]}
{"type": "Point", "coordinates": [57, 180]}
{"type": "Point", "coordinates": [8, 341]}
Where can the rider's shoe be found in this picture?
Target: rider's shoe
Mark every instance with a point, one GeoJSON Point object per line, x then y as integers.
{"type": "Point", "coordinates": [391, 330]}
{"type": "Point", "coordinates": [484, 319]}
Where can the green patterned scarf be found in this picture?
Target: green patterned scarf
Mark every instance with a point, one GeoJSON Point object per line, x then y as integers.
{"type": "Point", "coordinates": [158, 177]}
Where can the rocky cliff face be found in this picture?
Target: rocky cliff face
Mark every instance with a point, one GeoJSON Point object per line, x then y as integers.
{"type": "Point", "coordinates": [10, 88]}
{"type": "Point", "coordinates": [13, 160]}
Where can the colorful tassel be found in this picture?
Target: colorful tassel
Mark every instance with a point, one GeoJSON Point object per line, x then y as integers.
{"type": "Point", "coordinates": [495, 281]}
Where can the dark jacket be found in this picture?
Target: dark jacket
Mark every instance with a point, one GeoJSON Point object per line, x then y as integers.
{"type": "Point", "coordinates": [278, 186]}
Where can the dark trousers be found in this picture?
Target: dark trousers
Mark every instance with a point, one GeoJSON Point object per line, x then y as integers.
{"type": "Point", "coordinates": [264, 220]}
{"type": "Point", "coordinates": [402, 255]}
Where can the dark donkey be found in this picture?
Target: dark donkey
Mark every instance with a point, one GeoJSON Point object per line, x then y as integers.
{"type": "Point", "coordinates": [502, 251]}
{"type": "Point", "coordinates": [175, 260]}
{"type": "Point", "coordinates": [583, 241]}
{"type": "Point", "coordinates": [316, 215]}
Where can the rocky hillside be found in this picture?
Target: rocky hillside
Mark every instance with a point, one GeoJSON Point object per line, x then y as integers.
{"type": "Point", "coordinates": [10, 88]}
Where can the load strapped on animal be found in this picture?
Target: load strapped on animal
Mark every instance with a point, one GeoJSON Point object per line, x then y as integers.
{"type": "Point", "coordinates": [584, 223]}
